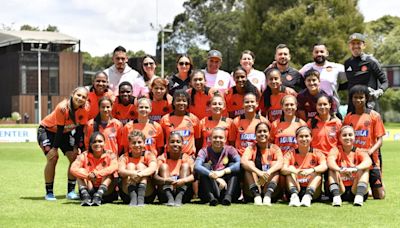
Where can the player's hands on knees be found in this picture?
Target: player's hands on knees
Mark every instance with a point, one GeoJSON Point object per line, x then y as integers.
{"type": "Point", "coordinates": [92, 177]}
{"type": "Point", "coordinates": [221, 183]}
{"type": "Point", "coordinates": [215, 174]}
{"type": "Point", "coordinates": [306, 172]}
{"type": "Point", "coordinates": [178, 183]}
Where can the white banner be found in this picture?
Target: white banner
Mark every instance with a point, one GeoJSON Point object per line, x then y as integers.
{"type": "Point", "coordinates": [18, 134]}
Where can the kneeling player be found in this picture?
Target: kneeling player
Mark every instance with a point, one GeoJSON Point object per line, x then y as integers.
{"type": "Point", "coordinates": [175, 173]}
{"type": "Point", "coordinates": [262, 163]}
{"type": "Point", "coordinates": [94, 171]}
{"type": "Point", "coordinates": [348, 170]}
{"type": "Point", "coordinates": [136, 166]}
{"type": "Point", "coordinates": [303, 168]}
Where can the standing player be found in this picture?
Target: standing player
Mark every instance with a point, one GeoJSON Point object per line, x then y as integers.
{"type": "Point", "coordinates": [160, 99]}
{"type": "Point", "coordinates": [256, 77]}
{"type": "Point", "coordinates": [63, 128]}
{"type": "Point", "coordinates": [262, 163]}
{"type": "Point", "coordinates": [303, 168]}
{"type": "Point", "coordinates": [216, 78]}
{"type": "Point", "coordinates": [98, 90]}
{"type": "Point", "coordinates": [348, 170]}
{"type": "Point", "coordinates": [124, 108]}
{"type": "Point", "coordinates": [369, 130]}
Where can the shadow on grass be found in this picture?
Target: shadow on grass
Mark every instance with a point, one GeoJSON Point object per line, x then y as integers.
{"type": "Point", "coordinates": [39, 197]}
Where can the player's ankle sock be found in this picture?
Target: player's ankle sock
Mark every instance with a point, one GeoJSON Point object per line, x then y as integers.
{"type": "Point", "coordinates": [49, 188]}
{"type": "Point", "coordinates": [293, 190]}
{"type": "Point", "coordinates": [102, 190]}
{"type": "Point", "coordinates": [179, 196]}
{"type": "Point", "coordinates": [361, 188]}
{"type": "Point", "coordinates": [83, 192]}
{"type": "Point", "coordinates": [132, 194]}
{"type": "Point", "coordinates": [254, 190]}
{"type": "Point", "coordinates": [168, 192]}
{"type": "Point", "coordinates": [270, 188]}
{"type": "Point", "coordinates": [310, 191]}
{"type": "Point", "coordinates": [71, 185]}
{"type": "Point", "coordinates": [334, 189]}
{"type": "Point", "coordinates": [141, 193]}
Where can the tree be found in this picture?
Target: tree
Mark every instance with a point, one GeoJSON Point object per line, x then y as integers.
{"type": "Point", "coordinates": [51, 28]}
{"type": "Point", "coordinates": [29, 28]}
{"type": "Point", "coordinates": [299, 24]}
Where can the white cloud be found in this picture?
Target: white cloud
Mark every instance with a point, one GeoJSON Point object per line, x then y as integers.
{"type": "Point", "coordinates": [373, 9]}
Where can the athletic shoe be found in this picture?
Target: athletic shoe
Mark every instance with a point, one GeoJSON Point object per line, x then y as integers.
{"type": "Point", "coordinates": [294, 200]}
{"type": "Point", "coordinates": [86, 202]}
{"type": "Point", "coordinates": [50, 197]}
{"type": "Point", "coordinates": [257, 200]}
{"type": "Point", "coordinates": [213, 202]}
{"type": "Point", "coordinates": [96, 200]}
{"type": "Point", "coordinates": [72, 196]}
{"type": "Point", "coordinates": [337, 201]}
{"type": "Point", "coordinates": [306, 201]}
{"type": "Point", "coordinates": [267, 201]}
{"type": "Point", "coordinates": [358, 200]}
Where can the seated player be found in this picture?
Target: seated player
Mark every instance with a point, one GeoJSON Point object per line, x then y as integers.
{"type": "Point", "coordinates": [348, 170]}
{"type": "Point", "coordinates": [94, 170]}
{"type": "Point", "coordinates": [218, 167]}
{"type": "Point", "coordinates": [175, 174]}
{"type": "Point", "coordinates": [136, 166]}
{"type": "Point", "coordinates": [303, 168]}
{"type": "Point", "coordinates": [262, 163]}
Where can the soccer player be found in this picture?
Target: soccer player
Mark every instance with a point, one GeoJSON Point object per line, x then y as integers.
{"type": "Point", "coordinates": [174, 174]}
{"type": "Point", "coordinates": [152, 130]}
{"type": "Point", "coordinates": [106, 124]}
{"type": "Point", "coordinates": [348, 170]}
{"type": "Point", "coordinates": [270, 102]}
{"type": "Point", "coordinates": [243, 127]}
{"type": "Point", "coordinates": [217, 119]}
{"type": "Point", "coordinates": [182, 122]}
{"type": "Point", "coordinates": [218, 166]}
{"type": "Point", "coordinates": [124, 108]}
{"type": "Point", "coordinates": [98, 90]}
{"type": "Point", "coordinates": [303, 168]}
{"type": "Point", "coordinates": [63, 128]}
{"type": "Point", "coordinates": [136, 166]}
{"type": "Point", "coordinates": [369, 130]}
{"type": "Point", "coordinates": [234, 96]}
{"type": "Point", "coordinates": [160, 99]}
{"type": "Point", "coordinates": [94, 170]}
{"type": "Point", "coordinates": [256, 77]}
{"type": "Point", "coordinates": [262, 163]}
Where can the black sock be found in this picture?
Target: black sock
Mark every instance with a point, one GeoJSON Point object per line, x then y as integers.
{"type": "Point", "coordinates": [168, 192]}
{"type": "Point", "coordinates": [141, 193]}
{"type": "Point", "coordinates": [132, 194]}
{"type": "Point", "coordinates": [102, 189]}
{"type": "Point", "coordinates": [270, 189]}
{"type": "Point", "coordinates": [180, 192]}
{"type": "Point", "coordinates": [71, 185]}
{"type": "Point", "coordinates": [254, 190]}
{"type": "Point", "coordinates": [361, 188]}
{"type": "Point", "coordinates": [334, 189]}
{"type": "Point", "coordinates": [84, 192]}
{"type": "Point", "coordinates": [49, 187]}
{"type": "Point", "coordinates": [293, 190]}
{"type": "Point", "coordinates": [310, 191]}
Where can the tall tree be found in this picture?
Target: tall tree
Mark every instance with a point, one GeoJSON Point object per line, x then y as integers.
{"type": "Point", "coordinates": [27, 27]}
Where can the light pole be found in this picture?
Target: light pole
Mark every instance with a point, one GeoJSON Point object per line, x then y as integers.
{"type": "Point", "coordinates": [162, 48]}
{"type": "Point", "coordinates": [39, 50]}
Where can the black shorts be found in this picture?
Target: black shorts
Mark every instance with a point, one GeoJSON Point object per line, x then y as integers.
{"type": "Point", "coordinates": [349, 196]}
{"type": "Point", "coordinates": [375, 178]}
{"type": "Point", "coordinates": [46, 138]}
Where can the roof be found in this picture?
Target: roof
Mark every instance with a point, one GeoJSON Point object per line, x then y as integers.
{"type": "Point", "coordinates": [13, 37]}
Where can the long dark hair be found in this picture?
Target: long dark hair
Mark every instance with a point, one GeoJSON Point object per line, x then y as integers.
{"type": "Point", "coordinates": [193, 93]}
{"type": "Point", "coordinates": [190, 60]}
{"type": "Point", "coordinates": [142, 71]}
{"type": "Point", "coordinates": [72, 109]}
{"type": "Point", "coordinates": [268, 92]}
{"type": "Point", "coordinates": [358, 89]}
{"type": "Point", "coordinates": [92, 138]}
{"type": "Point", "coordinates": [248, 87]}
{"type": "Point", "coordinates": [97, 119]}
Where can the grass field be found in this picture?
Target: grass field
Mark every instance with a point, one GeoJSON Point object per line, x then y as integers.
{"type": "Point", "coordinates": [22, 203]}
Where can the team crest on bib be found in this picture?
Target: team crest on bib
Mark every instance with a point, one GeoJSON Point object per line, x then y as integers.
{"type": "Point", "coordinates": [367, 123]}
{"type": "Point", "coordinates": [165, 109]}
{"type": "Point", "coordinates": [312, 162]}
{"type": "Point", "coordinates": [225, 160]}
{"type": "Point", "coordinates": [364, 68]}
{"type": "Point", "coordinates": [151, 133]}
{"type": "Point", "coordinates": [329, 68]}
{"type": "Point", "coordinates": [289, 77]}
{"type": "Point", "coordinates": [255, 80]}
{"type": "Point", "coordinates": [220, 82]}
{"type": "Point", "coordinates": [104, 164]}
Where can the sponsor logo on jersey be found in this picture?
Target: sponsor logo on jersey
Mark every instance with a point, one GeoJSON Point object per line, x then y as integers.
{"type": "Point", "coordinates": [183, 133]}
{"type": "Point", "coordinates": [276, 112]}
{"type": "Point", "coordinates": [249, 136]}
{"type": "Point", "coordinates": [287, 139]}
{"type": "Point", "coordinates": [239, 112]}
{"type": "Point", "coordinates": [155, 118]}
{"type": "Point", "coordinates": [311, 114]}
{"type": "Point", "coordinates": [361, 133]}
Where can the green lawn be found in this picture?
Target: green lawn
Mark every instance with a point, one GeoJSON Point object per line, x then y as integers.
{"type": "Point", "coordinates": [22, 204]}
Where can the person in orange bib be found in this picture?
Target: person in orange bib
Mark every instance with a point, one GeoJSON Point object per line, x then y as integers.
{"type": "Point", "coordinates": [270, 102]}
{"type": "Point", "coordinates": [152, 130]}
{"type": "Point", "coordinates": [174, 174]}
{"type": "Point", "coordinates": [98, 90]}
{"type": "Point", "coordinates": [369, 130]}
{"type": "Point", "coordinates": [348, 170]}
{"type": "Point", "coordinates": [217, 119]}
{"type": "Point", "coordinates": [63, 128]}
{"type": "Point", "coordinates": [303, 168]}
{"type": "Point", "coordinates": [262, 163]}
{"type": "Point", "coordinates": [106, 124]}
{"type": "Point", "coordinates": [243, 128]}
{"type": "Point", "coordinates": [124, 108]}
{"type": "Point", "coordinates": [136, 166]}
{"type": "Point", "coordinates": [94, 170]}
{"type": "Point", "coordinates": [160, 99]}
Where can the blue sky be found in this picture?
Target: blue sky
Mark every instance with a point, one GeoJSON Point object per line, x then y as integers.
{"type": "Point", "coordinates": [102, 25]}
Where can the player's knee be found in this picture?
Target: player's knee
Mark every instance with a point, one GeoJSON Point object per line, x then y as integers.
{"type": "Point", "coordinates": [131, 166]}
{"type": "Point", "coordinates": [185, 167]}
{"type": "Point", "coordinates": [163, 168]}
{"type": "Point", "coordinates": [141, 166]}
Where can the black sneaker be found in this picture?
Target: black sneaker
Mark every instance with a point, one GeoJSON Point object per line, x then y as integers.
{"type": "Point", "coordinates": [96, 200]}
{"type": "Point", "coordinates": [86, 202]}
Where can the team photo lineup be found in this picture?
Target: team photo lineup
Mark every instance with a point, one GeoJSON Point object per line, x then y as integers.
{"type": "Point", "coordinates": [247, 136]}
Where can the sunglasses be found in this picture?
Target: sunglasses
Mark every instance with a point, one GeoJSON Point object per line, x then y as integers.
{"type": "Point", "coordinates": [184, 63]}
{"type": "Point", "coordinates": [148, 64]}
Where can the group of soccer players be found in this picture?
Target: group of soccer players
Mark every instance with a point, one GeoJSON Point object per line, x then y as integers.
{"type": "Point", "coordinates": [247, 143]}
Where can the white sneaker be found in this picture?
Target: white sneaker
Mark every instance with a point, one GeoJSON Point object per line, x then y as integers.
{"type": "Point", "coordinates": [358, 200]}
{"type": "Point", "coordinates": [337, 201]}
{"type": "Point", "coordinates": [267, 201]}
{"type": "Point", "coordinates": [294, 200]}
{"type": "Point", "coordinates": [257, 200]}
{"type": "Point", "coordinates": [306, 201]}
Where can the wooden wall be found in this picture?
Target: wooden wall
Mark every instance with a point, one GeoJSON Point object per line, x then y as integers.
{"type": "Point", "coordinates": [68, 69]}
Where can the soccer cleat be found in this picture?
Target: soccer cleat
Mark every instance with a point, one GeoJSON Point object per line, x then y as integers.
{"type": "Point", "coordinates": [337, 201]}
{"type": "Point", "coordinates": [306, 201]}
{"type": "Point", "coordinates": [267, 201]}
{"type": "Point", "coordinates": [50, 197]}
{"type": "Point", "coordinates": [96, 200]}
{"type": "Point", "coordinates": [257, 200]}
{"type": "Point", "coordinates": [294, 200]}
{"type": "Point", "coordinates": [72, 196]}
{"type": "Point", "coordinates": [358, 200]}
{"type": "Point", "coordinates": [86, 202]}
